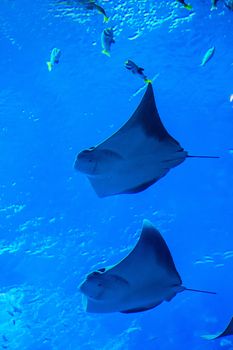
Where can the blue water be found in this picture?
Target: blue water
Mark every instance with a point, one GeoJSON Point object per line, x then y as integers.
{"type": "Point", "coordinates": [54, 229]}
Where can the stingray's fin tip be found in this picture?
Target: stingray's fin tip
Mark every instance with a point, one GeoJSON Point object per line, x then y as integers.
{"type": "Point", "coordinates": [207, 337]}
{"type": "Point", "coordinates": [147, 223]}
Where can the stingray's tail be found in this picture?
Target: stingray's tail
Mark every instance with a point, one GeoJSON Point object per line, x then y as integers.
{"type": "Point", "coordinates": [209, 157]}
{"type": "Point", "coordinates": [199, 291]}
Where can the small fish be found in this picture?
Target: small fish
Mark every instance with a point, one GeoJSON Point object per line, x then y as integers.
{"type": "Point", "coordinates": [197, 262]}
{"type": "Point", "coordinates": [107, 40]}
{"type": "Point", "coordinates": [10, 313]}
{"type": "Point", "coordinates": [4, 338]}
{"type": "Point", "coordinates": [229, 255]}
{"type": "Point", "coordinates": [208, 55]}
{"type": "Point", "coordinates": [135, 69]}
{"type": "Point", "coordinates": [136, 35]}
{"type": "Point", "coordinates": [87, 4]}
{"type": "Point", "coordinates": [186, 6]}
{"type": "Point", "coordinates": [93, 6]}
{"type": "Point", "coordinates": [16, 309]}
{"type": "Point", "coordinates": [54, 58]}
{"type": "Point", "coordinates": [214, 5]}
{"type": "Point", "coordinates": [62, 2]}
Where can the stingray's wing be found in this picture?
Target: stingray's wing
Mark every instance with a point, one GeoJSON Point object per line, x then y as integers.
{"type": "Point", "coordinates": [149, 263]}
{"type": "Point", "coordinates": [226, 332]}
{"type": "Point", "coordinates": [142, 133]}
{"type": "Point", "coordinates": [141, 309]}
{"type": "Point", "coordinates": [146, 152]}
{"type": "Point", "coordinates": [148, 274]}
{"type": "Point", "coordinates": [128, 177]}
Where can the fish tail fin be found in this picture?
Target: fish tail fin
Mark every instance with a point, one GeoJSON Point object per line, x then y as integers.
{"type": "Point", "coordinates": [105, 52]}
{"type": "Point", "coordinates": [49, 65]}
{"type": "Point", "coordinates": [206, 157]}
{"type": "Point", "coordinates": [148, 81]}
{"type": "Point", "coordinates": [188, 7]}
{"type": "Point", "coordinates": [199, 291]}
{"type": "Point", "coordinates": [106, 19]}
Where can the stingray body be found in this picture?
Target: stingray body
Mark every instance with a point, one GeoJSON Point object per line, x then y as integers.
{"type": "Point", "coordinates": [136, 156]}
{"type": "Point", "coordinates": [139, 282]}
{"type": "Point", "coordinates": [228, 331]}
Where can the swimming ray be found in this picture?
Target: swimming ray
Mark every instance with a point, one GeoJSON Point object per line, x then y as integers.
{"type": "Point", "coordinates": [226, 332]}
{"type": "Point", "coordinates": [136, 156]}
{"type": "Point", "coordinates": [141, 281]}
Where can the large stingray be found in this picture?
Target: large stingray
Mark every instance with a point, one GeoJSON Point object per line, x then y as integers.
{"type": "Point", "coordinates": [134, 157]}
{"type": "Point", "coordinates": [226, 332]}
{"type": "Point", "coordinates": [139, 282]}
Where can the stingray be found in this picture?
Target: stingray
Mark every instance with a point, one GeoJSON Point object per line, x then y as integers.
{"type": "Point", "coordinates": [145, 278]}
{"type": "Point", "coordinates": [226, 332]}
{"type": "Point", "coordinates": [136, 156]}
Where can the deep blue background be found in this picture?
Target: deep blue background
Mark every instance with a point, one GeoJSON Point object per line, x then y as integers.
{"type": "Point", "coordinates": [53, 228]}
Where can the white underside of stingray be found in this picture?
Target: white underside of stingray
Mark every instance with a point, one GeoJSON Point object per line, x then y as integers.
{"type": "Point", "coordinates": [141, 281]}
{"type": "Point", "coordinates": [134, 157]}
